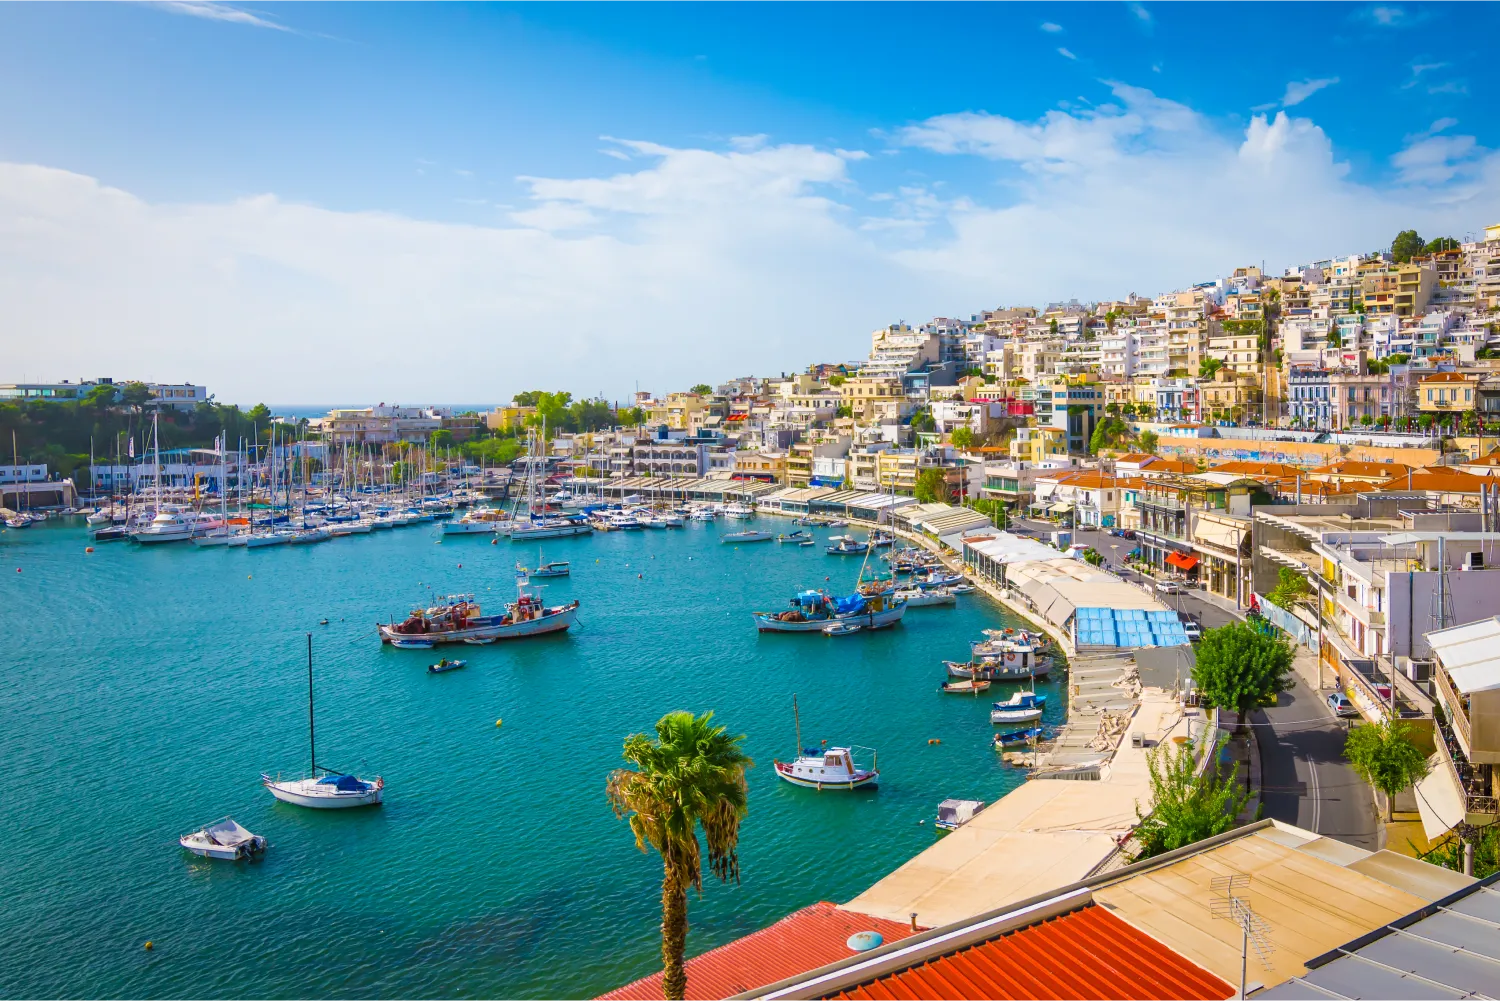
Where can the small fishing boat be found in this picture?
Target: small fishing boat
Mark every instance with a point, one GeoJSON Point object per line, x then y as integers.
{"type": "Point", "coordinates": [808, 542]}
{"type": "Point", "coordinates": [963, 587]}
{"type": "Point", "coordinates": [1014, 738]}
{"type": "Point", "coordinates": [841, 628]}
{"type": "Point", "coordinates": [411, 643]}
{"type": "Point", "coordinates": [955, 813]}
{"type": "Point", "coordinates": [827, 767]}
{"type": "Point", "coordinates": [1021, 707]}
{"type": "Point", "coordinates": [445, 665]}
{"type": "Point", "coordinates": [556, 568]}
{"type": "Point", "coordinates": [797, 536]}
{"type": "Point", "coordinates": [750, 536]}
{"type": "Point", "coordinates": [223, 839]}
{"type": "Point", "coordinates": [967, 687]}
{"type": "Point", "coordinates": [811, 610]}
{"type": "Point", "coordinates": [846, 545]}
{"type": "Point", "coordinates": [459, 618]}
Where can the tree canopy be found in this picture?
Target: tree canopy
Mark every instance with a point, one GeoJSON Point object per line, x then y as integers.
{"type": "Point", "coordinates": [702, 389]}
{"type": "Point", "coordinates": [1148, 441]}
{"type": "Point", "coordinates": [1406, 243]}
{"type": "Point", "coordinates": [931, 486]}
{"type": "Point", "coordinates": [962, 437]}
{"type": "Point", "coordinates": [1383, 755]}
{"type": "Point", "coordinates": [1186, 806]}
{"type": "Point", "coordinates": [1242, 669]}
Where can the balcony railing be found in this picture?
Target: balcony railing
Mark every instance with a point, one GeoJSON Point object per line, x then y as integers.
{"type": "Point", "coordinates": [1476, 799]}
{"type": "Point", "coordinates": [1454, 703]}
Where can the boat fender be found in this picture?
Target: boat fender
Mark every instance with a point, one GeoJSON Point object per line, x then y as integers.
{"type": "Point", "coordinates": [460, 566]}
{"type": "Point", "coordinates": [640, 576]}
{"type": "Point", "coordinates": [88, 549]}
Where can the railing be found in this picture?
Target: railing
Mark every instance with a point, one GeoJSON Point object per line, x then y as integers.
{"type": "Point", "coordinates": [1455, 706]}
{"type": "Point", "coordinates": [1453, 755]}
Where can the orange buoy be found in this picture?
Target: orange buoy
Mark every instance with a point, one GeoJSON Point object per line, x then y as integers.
{"type": "Point", "coordinates": [934, 740]}
{"type": "Point", "coordinates": [88, 549]}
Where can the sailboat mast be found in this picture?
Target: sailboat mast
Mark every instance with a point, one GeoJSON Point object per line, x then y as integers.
{"type": "Point", "coordinates": [312, 745]}
{"type": "Point", "coordinates": [796, 719]}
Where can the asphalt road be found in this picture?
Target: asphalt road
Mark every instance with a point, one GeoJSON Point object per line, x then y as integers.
{"type": "Point", "coordinates": [1305, 780]}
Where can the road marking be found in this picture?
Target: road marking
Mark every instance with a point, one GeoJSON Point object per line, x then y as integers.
{"type": "Point", "coordinates": [1312, 772]}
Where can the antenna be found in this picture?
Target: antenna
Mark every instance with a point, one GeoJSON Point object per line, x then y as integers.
{"type": "Point", "coordinates": [1231, 903]}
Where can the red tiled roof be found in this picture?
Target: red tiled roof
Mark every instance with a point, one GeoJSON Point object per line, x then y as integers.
{"type": "Point", "coordinates": [1443, 479]}
{"type": "Point", "coordinates": [803, 940]}
{"type": "Point", "coordinates": [1087, 953]}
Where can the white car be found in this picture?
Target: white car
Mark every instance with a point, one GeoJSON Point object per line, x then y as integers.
{"type": "Point", "coordinates": [1169, 587]}
{"type": "Point", "coordinates": [1193, 631]}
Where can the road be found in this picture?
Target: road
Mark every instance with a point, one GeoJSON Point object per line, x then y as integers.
{"type": "Point", "coordinates": [1305, 780]}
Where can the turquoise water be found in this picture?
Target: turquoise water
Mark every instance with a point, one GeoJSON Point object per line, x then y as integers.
{"type": "Point", "coordinates": [147, 688]}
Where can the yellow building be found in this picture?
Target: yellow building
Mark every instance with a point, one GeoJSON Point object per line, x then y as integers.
{"type": "Point", "coordinates": [1038, 444]}
{"type": "Point", "coordinates": [763, 465]}
{"type": "Point", "coordinates": [1447, 392]}
{"type": "Point", "coordinates": [864, 395]}
{"type": "Point", "coordinates": [507, 418]}
{"type": "Point", "coordinates": [1228, 396]}
{"type": "Point", "coordinates": [677, 411]}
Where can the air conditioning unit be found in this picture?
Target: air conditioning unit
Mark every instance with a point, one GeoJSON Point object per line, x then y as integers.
{"type": "Point", "coordinates": [1416, 670]}
{"type": "Point", "coordinates": [1474, 560]}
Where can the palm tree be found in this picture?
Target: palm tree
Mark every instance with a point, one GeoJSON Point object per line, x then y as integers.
{"type": "Point", "coordinates": [691, 775]}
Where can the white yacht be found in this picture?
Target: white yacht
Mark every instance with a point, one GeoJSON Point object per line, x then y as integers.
{"type": "Point", "coordinates": [169, 525]}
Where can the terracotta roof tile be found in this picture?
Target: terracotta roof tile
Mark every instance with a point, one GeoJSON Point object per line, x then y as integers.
{"type": "Point", "coordinates": [1440, 479]}
{"type": "Point", "coordinates": [803, 940]}
{"type": "Point", "coordinates": [1354, 467]}
{"type": "Point", "coordinates": [1087, 953]}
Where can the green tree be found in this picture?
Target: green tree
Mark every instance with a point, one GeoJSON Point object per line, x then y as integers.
{"type": "Point", "coordinates": [589, 415]}
{"type": "Point", "coordinates": [922, 420]}
{"type": "Point", "coordinates": [1440, 244]}
{"type": "Point", "coordinates": [843, 410]}
{"type": "Point", "coordinates": [1242, 669]}
{"type": "Point", "coordinates": [1186, 806]}
{"type": "Point", "coordinates": [1406, 243]}
{"type": "Point", "coordinates": [441, 438]}
{"type": "Point", "coordinates": [526, 399]}
{"type": "Point", "coordinates": [931, 486]}
{"type": "Point", "coordinates": [1093, 557]}
{"type": "Point", "coordinates": [1052, 327]}
{"type": "Point", "coordinates": [1148, 441]}
{"type": "Point", "coordinates": [1425, 422]}
{"type": "Point", "coordinates": [1209, 367]}
{"type": "Point", "coordinates": [692, 775]}
{"type": "Point", "coordinates": [702, 389]}
{"type": "Point", "coordinates": [631, 417]}
{"type": "Point", "coordinates": [1449, 853]}
{"type": "Point", "coordinates": [136, 396]}
{"type": "Point", "coordinates": [260, 415]}
{"type": "Point", "coordinates": [837, 380]}
{"type": "Point", "coordinates": [962, 437]}
{"type": "Point", "coordinates": [1291, 587]}
{"type": "Point", "coordinates": [1383, 755]}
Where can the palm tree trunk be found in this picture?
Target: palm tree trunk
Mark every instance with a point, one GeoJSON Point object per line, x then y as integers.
{"type": "Point", "coordinates": [674, 930]}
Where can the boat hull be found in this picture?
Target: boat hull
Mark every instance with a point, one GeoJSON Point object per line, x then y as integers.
{"type": "Point", "coordinates": [302, 792]}
{"type": "Point", "coordinates": [469, 528]}
{"type": "Point", "coordinates": [1015, 715]}
{"type": "Point", "coordinates": [768, 623]}
{"type": "Point", "coordinates": [548, 532]}
{"type": "Point", "coordinates": [866, 780]}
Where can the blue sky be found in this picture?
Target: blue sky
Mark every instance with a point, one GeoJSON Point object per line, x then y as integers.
{"type": "Point", "coordinates": [451, 201]}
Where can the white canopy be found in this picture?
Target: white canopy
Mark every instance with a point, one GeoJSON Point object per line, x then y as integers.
{"type": "Point", "coordinates": [1470, 654]}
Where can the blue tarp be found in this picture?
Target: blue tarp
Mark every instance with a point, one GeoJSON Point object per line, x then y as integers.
{"type": "Point", "coordinates": [853, 603]}
{"type": "Point", "coordinates": [344, 783]}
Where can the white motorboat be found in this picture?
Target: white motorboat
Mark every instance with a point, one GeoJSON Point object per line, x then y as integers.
{"type": "Point", "coordinates": [955, 813]}
{"type": "Point", "coordinates": [703, 514]}
{"type": "Point", "coordinates": [671, 521]}
{"type": "Point", "coordinates": [827, 767]}
{"type": "Point", "coordinates": [275, 537]}
{"type": "Point", "coordinates": [1021, 707]}
{"type": "Point", "coordinates": [412, 643]}
{"type": "Point", "coordinates": [738, 511]}
{"type": "Point", "coordinates": [223, 839]}
{"type": "Point", "coordinates": [841, 628]}
{"type": "Point", "coordinates": [169, 525]}
{"type": "Point", "coordinates": [916, 597]}
{"type": "Point", "coordinates": [323, 788]}
{"type": "Point", "coordinates": [750, 536]}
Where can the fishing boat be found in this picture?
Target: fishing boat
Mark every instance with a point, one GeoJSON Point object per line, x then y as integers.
{"type": "Point", "coordinates": [445, 665]}
{"type": "Point", "coordinates": [955, 813]}
{"type": "Point", "coordinates": [916, 597]}
{"type": "Point", "coordinates": [967, 687]}
{"type": "Point", "coordinates": [1014, 738]}
{"type": "Point", "coordinates": [748, 536]}
{"type": "Point", "coordinates": [827, 767]}
{"type": "Point", "coordinates": [934, 577]}
{"type": "Point", "coordinates": [459, 618]}
{"type": "Point", "coordinates": [880, 539]}
{"type": "Point", "coordinates": [1021, 707]}
{"type": "Point", "coordinates": [994, 669]}
{"type": "Point", "coordinates": [846, 545]}
{"type": "Point", "coordinates": [811, 610]}
{"type": "Point", "coordinates": [223, 839]}
{"type": "Point", "coordinates": [1018, 654]}
{"type": "Point", "coordinates": [557, 568]}
{"type": "Point", "coordinates": [323, 788]}
{"type": "Point", "coordinates": [841, 628]}
{"type": "Point", "coordinates": [797, 536]}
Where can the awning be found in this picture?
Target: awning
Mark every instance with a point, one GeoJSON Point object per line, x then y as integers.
{"type": "Point", "coordinates": [1062, 508]}
{"type": "Point", "coordinates": [1439, 800]}
{"type": "Point", "coordinates": [1182, 562]}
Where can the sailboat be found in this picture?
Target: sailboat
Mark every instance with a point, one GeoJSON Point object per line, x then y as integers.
{"type": "Point", "coordinates": [826, 767]}
{"type": "Point", "coordinates": [539, 524]}
{"type": "Point", "coordinates": [170, 523]}
{"type": "Point", "coordinates": [323, 788]}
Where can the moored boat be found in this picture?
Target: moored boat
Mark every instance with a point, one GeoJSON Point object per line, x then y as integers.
{"type": "Point", "coordinates": [846, 545]}
{"type": "Point", "coordinates": [966, 687]}
{"type": "Point", "coordinates": [827, 767]}
{"type": "Point", "coordinates": [1016, 737]}
{"type": "Point", "coordinates": [811, 610]}
{"type": "Point", "coordinates": [223, 839]}
{"type": "Point", "coordinates": [917, 597]}
{"type": "Point", "coordinates": [1021, 707]}
{"type": "Point", "coordinates": [446, 665]}
{"type": "Point", "coordinates": [459, 618]}
{"type": "Point", "coordinates": [955, 813]}
{"type": "Point", "coordinates": [749, 536]}
{"type": "Point", "coordinates": [841, 628]}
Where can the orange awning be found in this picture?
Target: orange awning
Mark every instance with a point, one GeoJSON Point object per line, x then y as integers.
{"type": "Point", "coordinates": [1182, 562]}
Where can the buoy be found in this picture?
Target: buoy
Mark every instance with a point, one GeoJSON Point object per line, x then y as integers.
{"type": "Point", "coordinates": [18, 569]}
{"type": "Point", "coordinates": [496, 542]}
{"type": "Point", "coordinates": [148, 945]}
{"type": "Point", "coordinates": [88, 549]}
{"type": "Point", "coordinates": [460, 566]}
{"type": "Point", "coordinates": [934, 740]}
{"type": "Point", "coordinates": [921, 822]}
{"type": "Point", "coordinates": [249, 576]}
{"type": "Point", "coordinates": [499, 721]}
{"type": "Point", "coordinates": [639, 577]}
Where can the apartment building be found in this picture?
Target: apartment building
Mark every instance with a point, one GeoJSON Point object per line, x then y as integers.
{"type": "Point", "coordinates": [1358, 397]}
{"type": "Point", "coordinates": [1466, 682]}
{"type": "Point", "coordinates": [1447, 392]}
{"type": "Point", "coordinates": [1308, 402]}
{"type": "Point", "coordinates": [381, 425]}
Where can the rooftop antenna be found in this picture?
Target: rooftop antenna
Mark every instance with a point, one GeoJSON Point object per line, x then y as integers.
{"type": "Point", "coordinates": [1230, 902]}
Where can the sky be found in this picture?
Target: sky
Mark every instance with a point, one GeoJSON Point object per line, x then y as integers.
{"type": "Point", "coordinates": [306, 203]}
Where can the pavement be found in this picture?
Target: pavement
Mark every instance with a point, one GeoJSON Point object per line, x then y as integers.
{"type": "Point", "coordinates": [1307, 781]}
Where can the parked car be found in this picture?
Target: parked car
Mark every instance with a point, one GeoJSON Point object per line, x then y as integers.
{"type": "Point", "coordinates": [1168, 587]}
{"type": "Point", "coordinates": [1341, 706]}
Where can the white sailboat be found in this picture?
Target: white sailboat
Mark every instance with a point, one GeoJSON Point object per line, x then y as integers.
{"type": "Point", "coordinates": [323, 788]}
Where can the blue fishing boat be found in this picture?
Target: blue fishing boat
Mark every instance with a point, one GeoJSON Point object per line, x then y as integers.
{"type": "Point", "coordinates": [1012, 738]}
{"type": "Point", "coordinates": [1021, 707]}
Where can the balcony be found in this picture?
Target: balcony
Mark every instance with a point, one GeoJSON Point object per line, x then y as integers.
{"type": "Point", "coordinates": [1480, 808]}
{"type": "Point", "coordinates": [1368, 616]}
{"type": "Point", "coordinates": [1453, 704]}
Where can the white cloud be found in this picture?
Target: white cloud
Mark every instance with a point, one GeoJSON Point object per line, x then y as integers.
{"type": "Point", "coordinates": [218, 12]}
{"type": "Point", "coordinates": [1140, 11]}
{"type": "Point", "coordinates": [1065, 53]}
{"type": "Point", "coordinates": [1388, 17]}
{"type": "Point", "coordinates": [1298, 91]}
{"type": "Point", "coordinates": [690, 264]}
{"type": "Point", "coordinates": [1050, 27]}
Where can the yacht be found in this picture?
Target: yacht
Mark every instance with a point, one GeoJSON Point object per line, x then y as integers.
{"type": "Point", "coordinates": [169, 525]}
{"type": "Point", "coordinates": [738, 511]}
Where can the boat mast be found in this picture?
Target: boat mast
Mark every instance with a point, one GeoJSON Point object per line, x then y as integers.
{"type": "Point", "coordinates": [156, 444]}
{"type": "Point", "coordinates": [796, 720]}
{"type": "Point", "coordinates": [312, 745]}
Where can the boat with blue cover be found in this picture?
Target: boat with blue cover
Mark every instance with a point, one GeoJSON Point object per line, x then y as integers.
{"type": "Point", "coordinates": [811, 610]}
{"type": "Point", "coordinates": [1021, 707]}
{"type": "Point", "coordinates": [1014, 738]}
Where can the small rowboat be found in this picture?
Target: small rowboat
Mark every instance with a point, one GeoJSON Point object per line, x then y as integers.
{"type": "Point", "coordinates": [446, 665]}
{"type": "Point", "coordinates": [961, 588]}
{"type": "Point", "coordinates": [840, 628]}
{"type": "Point", "coordinates": [412, 643]}
{"type": "Point", "coordinates": [965, 687]}
{"type": "Point", "coordinates": [480, 640]}
{"type": "Point", "coordinates": [1011, 738]}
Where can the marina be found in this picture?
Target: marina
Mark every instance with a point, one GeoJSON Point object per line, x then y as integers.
{"type": "Point", "coordinates": [183, 677]}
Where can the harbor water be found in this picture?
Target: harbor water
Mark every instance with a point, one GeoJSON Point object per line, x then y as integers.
{"type": "Point", "coordinates": [148, 688]}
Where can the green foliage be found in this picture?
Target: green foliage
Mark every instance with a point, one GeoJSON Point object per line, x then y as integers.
{"type": "Point", "coordinates": [1425, 422]}
{"type": "Point", "coordinates": [1242, 669]}
{"type": "Point", "coordinates": [837, 380]}
{"type": "Point", "coordinates": [1148, 441]}
{"type": "Point", "coordinates": [631, 417]}
{"type": "Point", "coordinates": [1108, 433]}
{"type": "Point", "coordinates": [1208, 367]}
{"type": "Point", "coordinates": [441, 438]}
{"type": "Point", "coordinates": [1383, 755]}
{"type": "Point", "coordinates": [931, 486]}
{"type": "Point", "coordinates": [1093, 557]}
{"type": "Point", "coordinates": [1186, 807]}
{"type": "Point", "coordinates": [843, 410]}
{"type": "Point", "coordinates": [526, 399]}
{"type": "Point", "coordinates": [961, 437]}
{"type": "Point", "coordinates": [1449, 853]}
{"type": "Point", "coordinates": [1291, 587]}
{"type": "Point", "coordinates": [1440, 244]}
{"type": "Point", "coordinates": [702, 389]}
{"type": "Point", "coordinates": [1406, 243]}
{"type": "Point", "coordinates": [972, 373]}
{"type": "Point", "coordinates": [993, 509]}
{"type": "Point", "coordinates": [1052, 326]}
{"type": "Point", "coordinates": [922, 420]}
{"type": "Point", "coordinates": [493, 451]}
